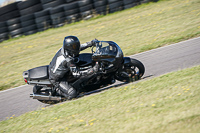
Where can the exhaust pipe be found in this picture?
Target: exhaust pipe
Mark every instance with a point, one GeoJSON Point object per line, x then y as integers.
{"type": "Point", "coordinates": [43, 97]}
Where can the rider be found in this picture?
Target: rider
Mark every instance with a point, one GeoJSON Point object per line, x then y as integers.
{"type": "Point", "coordinates": [63, 62]}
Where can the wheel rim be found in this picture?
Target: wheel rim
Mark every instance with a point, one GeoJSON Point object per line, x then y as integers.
{"type": "Point", "coordinates": [132, 72]}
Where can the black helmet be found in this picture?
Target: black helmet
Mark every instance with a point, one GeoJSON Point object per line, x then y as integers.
{"type": "Point", "coordinates": [71, 45]}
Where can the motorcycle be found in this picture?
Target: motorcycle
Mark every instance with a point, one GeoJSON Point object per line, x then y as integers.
{"type": "Point", "coordinates": [112, 66]}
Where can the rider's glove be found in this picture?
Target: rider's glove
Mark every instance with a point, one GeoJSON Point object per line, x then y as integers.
{"type": "Point", "coordinates": [92, 43]}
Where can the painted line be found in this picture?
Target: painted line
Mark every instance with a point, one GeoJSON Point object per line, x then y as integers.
{"type": "Point", "coordinates": [13, 88]}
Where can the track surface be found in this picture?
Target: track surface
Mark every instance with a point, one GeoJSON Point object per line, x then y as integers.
{"type": "Point", "coordinates": [158, 61]}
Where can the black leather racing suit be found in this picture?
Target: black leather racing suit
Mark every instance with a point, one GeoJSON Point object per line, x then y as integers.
{"type": "Point", "coordinates": [61, 64]}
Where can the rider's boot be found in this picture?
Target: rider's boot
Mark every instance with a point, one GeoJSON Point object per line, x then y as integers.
{"type": "Point", "coordinates": [68, 91]}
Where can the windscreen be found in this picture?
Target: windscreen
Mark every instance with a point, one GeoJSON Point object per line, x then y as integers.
{"type": "Point", "coordinates": [106, 49]}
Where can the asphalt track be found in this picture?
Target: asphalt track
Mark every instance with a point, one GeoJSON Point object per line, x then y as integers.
{"type": "Point", "coordinates": [16, 101]}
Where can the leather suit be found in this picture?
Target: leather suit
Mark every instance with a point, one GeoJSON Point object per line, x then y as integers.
{"type": "Point", "coordinates": [61, 64]}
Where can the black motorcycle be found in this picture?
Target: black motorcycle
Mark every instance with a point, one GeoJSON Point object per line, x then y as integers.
{"type": "Point", "coordinates": [112, 65]}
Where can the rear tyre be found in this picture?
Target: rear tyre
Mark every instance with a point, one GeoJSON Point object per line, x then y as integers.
{"type": "Point", "coordinates": [37, 90]}
{"type": "Point", "coordinates": [131, 72]}
{"type": "Point", "coordinates": [49, 102]}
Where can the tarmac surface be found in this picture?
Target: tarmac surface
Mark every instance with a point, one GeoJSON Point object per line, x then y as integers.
{"type": "Point", "coordinates": [16, 101]}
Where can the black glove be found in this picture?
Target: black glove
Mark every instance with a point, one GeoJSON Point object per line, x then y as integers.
{"type": "Point", "coordinates": [92, 43]}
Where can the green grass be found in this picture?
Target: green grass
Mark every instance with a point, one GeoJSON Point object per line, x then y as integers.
{"type": "Point", "coordinates": [136, 30]}
{"type": "Point", "coordinates": [169, 103]}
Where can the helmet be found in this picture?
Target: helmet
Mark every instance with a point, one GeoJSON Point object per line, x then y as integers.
{"type": "Point", "coordinates": [71, 46]}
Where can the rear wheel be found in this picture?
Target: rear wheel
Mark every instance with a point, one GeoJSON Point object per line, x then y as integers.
{"type": "Point", "coordinates": [36, 89]}
{"type": "Point", "coordinates": [39, 90]}
{"type": "Point", "coordinates": [131, 72]}
{"type": "Point", "coordinates": [49, 101]}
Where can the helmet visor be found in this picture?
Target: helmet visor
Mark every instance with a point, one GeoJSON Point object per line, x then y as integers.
{"type": "Point", "coordinates": [73, 53]}
{"type": "Point", "coordinates": [75, 47]}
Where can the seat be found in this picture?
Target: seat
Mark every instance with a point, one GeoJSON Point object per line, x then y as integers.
{"type": "Point", "coordinates": [39, 73]}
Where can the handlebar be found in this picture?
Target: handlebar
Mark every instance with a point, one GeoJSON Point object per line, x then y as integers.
{"type": "Point", "coordinates": [97, 45]}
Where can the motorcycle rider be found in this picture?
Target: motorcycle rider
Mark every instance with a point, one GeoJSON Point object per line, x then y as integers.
{"type": "Point", "coordinates": [63, 62]}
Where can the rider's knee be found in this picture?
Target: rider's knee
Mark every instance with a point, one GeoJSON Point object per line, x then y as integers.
{"type": "Point", "coordinates": [68, 91]}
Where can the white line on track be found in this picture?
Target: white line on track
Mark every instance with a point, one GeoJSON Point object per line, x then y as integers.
{"type": "Point", "coordinates": [12, 88]}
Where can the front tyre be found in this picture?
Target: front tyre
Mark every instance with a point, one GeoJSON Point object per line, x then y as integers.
{"type": "Point", "coordinates": [131, 71]}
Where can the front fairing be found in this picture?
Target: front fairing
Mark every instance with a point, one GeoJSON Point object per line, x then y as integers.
{"type": "Point", "coordinates": [107, 51]}
{"type": "Point", "coordinates": [109, 54]}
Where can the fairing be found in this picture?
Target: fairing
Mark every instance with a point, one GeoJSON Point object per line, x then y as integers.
{"type": "Point", "coordinates": [108, 52]}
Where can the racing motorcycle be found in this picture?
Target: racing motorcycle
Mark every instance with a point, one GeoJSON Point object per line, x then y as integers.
{"type": "Point", "coordinates": [112, 65]}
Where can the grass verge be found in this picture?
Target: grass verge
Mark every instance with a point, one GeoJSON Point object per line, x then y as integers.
{"type": "Point", "coordinates": [169, 103]}
{"type": "Point", "coordinates": [136, 30]}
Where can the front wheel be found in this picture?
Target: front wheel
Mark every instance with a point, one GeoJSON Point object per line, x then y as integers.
{"type": "Point", "coordinates": [131, 71]}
